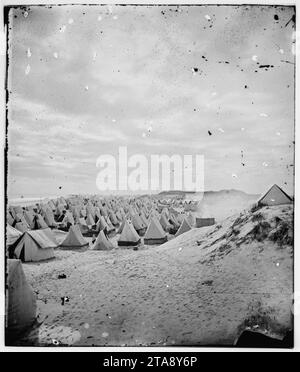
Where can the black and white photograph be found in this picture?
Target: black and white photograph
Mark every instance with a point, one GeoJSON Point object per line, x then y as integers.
{"type": "Point", "coordinates": [149, 175]}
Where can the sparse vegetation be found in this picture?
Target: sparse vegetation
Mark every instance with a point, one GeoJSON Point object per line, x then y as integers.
{"type": "Point", "coordinates": [261, 230]}
{"type": "Point", "coordinates": [257, 217]}
{"type": "Point", "coordinates": [283, 235]}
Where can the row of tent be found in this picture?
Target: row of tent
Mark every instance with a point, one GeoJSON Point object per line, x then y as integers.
{"type": "Point", "coordinates": [110, 213]}
{"type": "Point", "coordinates": [132, 219]}
{"type": "Point", "coordinates": [137, 221]}
{"type": "Point", "coordinates": [37, 245]}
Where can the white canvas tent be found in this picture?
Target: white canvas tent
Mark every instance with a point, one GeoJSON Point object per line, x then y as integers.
{"type": "Point", "coordinates": [29, 216]}
{"type": "Point", "coordinates": [90, 220]}
{"type": "Point", "coordinates": [275, 196]}
{"type": "Point", "coordinates": [138, 224]}
{"type": "Point", "coordinates": [190, 219]}
{"type": "Point", "coordinates": [83, 226]}
{"type": "Point", "coordinates": [21, 226]}
{"type": "Point", "coordinates": [12, 235]}
{"type": "Point", "coordinates": [165, 223]}
{"type": "Point", "coordinates": [184, 227]}
{"type": "Point", "coordinates": [21, 301]}
{"type": "Point", "coordinates": [40, 222]}
{"type": "Point", "coordinates": [49, 218]}
{"type": "Point", "coordinates": [102, 243]}
{"type": "Point", "coordinates": [34, 245]}
{"type": "Point", "coordinates": [10, 219]}
{"type": "Point", "coordinates": [155, 234]}
{"type": "Point", "coordinates": [74, 238]}
{"type": "Point", "coordinates": [128, 236]}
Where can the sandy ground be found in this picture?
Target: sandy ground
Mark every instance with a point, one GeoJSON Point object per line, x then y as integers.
{"type": "Point", "coordinates": [201, 288]}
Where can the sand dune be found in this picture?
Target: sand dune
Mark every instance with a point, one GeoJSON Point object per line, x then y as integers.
{"type": "Point", "coordinates": [201, 288]}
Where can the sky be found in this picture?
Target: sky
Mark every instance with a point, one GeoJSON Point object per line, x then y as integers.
{"type": "Point", "coordinates": [187, 80]}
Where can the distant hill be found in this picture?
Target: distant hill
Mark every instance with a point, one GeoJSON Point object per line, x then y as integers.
{"type": "Point", "coordinates": [217, 204]}
{"type": "Point", "coordinates": [167, 194]}
{"type": "Point", "coordinates": [175, 192]}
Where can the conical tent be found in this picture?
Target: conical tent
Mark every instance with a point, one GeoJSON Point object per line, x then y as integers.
{"type": "Point", "coordinates": [119, 231]}
{"type": "Point", "coordinates": [59, 209]}
{"type": "Point", "coordinates": [138, 224]}
{"type": "Point", "coordinates": [180, 218]}
{"type": "Point", "coordinates": [90, 211]}
{"type": "Point", "coordinates": [275, 196]}
{"type": "Point", "coordinates": [155, 233]}
{"type": "Point", "coordinates": [109, 224]}
{"type": "Point", "coordinates": [40, 222]}
{"type": "Point", "coordinates": [20, 218]}
{"type": "Point", "coordinates": [90, 220]}
{"type": "Point", "coordinates": [17, 210]}
{"type": "Point", "coordinates": [165, 212]}
{"type": "Point", "coordinates": [83, 226]}
{"type": "Point", "coordinates": [21, 301]}
{"type": "Point", "coordinates": [184, 227]}
{"type": "Point", "coordinates": [28, 215]}
{"type": "Point", "coordinates": [97, 212]}
{"type": "Point", "coordinates": [70, 216]}
{"type": "Point", "coordinates": [144, 219]}
{"type": "Point", "coordinates": [102, 225]}
{"type": "Point", "coordinates": [119, 216]}
{"type": "Point", "coordinates": [174, 221]}
{"type": "Point", "coordinates": [164, 222]}
{"type": "Point", "coordinates": [128, 236]}
{"type": "Point", "coordinates": [83, 212]}
{"type": "Point", "coordinates": [190, 219]}
{"type": "Point", "coordinates": [113, 218]}
{"type": "Point", "coordinates": [51, 205]}
{"type": "Point", "coordinates": [34, 245]}
{"type": "Point", "coordinates": [102, 243]}
{"type": "Point", "coordinates": [74, 238]}
{"type": "Point", "coordinates": [49, 218]}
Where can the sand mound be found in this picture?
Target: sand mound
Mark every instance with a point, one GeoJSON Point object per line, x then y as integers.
{"type": "Point", "coordinates": [201, 288]}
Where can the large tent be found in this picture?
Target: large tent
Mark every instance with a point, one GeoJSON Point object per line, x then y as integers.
{"type": "Point", "coordinates": [155, 234]}
{"type": "Point", "coordinates": [21, 301]}
{"type": "Point", "coordinates": [128, 236]}
{"type": "Point", "coordinates": [74, 238]}
{"type": "Point", "coordinates": [34, 245]}
{"type": "Point", "coordinates": [275, 196]}
{"type": "Point", "coordinates": [102, 243]}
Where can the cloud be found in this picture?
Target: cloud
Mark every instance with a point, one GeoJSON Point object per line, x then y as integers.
{"type": "Point", "coordinates": [137, 63]}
